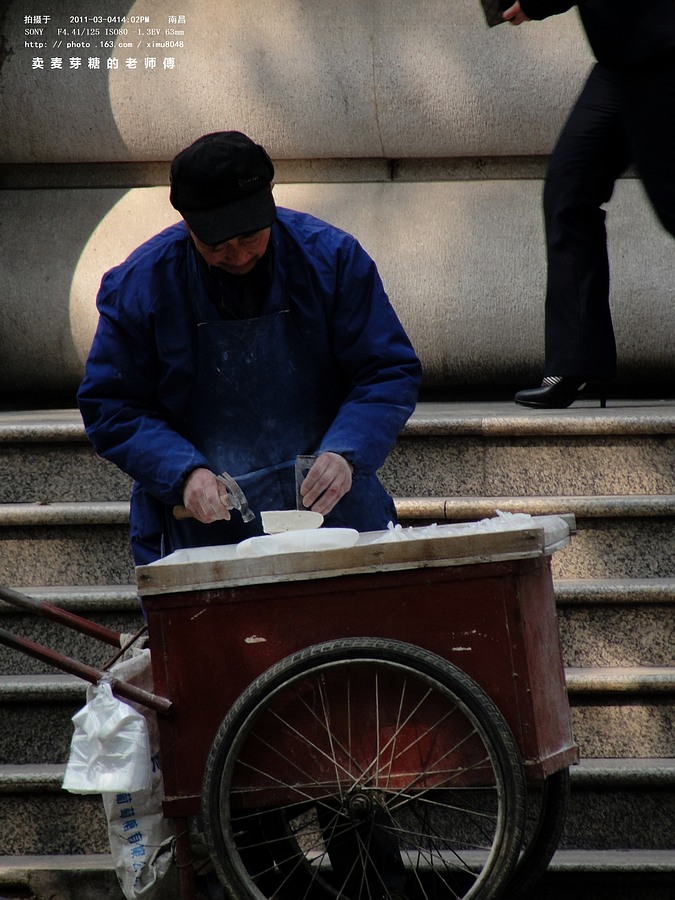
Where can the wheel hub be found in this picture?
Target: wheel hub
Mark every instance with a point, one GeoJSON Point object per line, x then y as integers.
{"type": "Point", "coordinates": [360, 805]}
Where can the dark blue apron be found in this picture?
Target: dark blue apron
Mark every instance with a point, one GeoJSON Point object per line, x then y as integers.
{"type": "Point", "coordinates": [260, 399]}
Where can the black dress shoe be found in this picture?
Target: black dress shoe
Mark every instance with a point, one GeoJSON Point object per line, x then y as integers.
{"type": "Point", "coordinates": [555, 392]}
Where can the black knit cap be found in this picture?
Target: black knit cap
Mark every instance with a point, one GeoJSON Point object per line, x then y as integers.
{"type": "Point", "coordinates": [222, 186]}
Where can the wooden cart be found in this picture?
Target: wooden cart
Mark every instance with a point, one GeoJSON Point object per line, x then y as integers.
{"type": "Point", "coordinates": [388, 720]}
{"type": "Point", "coordinates": [406, 689]}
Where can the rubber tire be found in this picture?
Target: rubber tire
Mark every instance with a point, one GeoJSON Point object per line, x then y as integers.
{"type": "Point", "coordinates": [413, 662]}
{"type": "Point", "coordinates": [541, 841]}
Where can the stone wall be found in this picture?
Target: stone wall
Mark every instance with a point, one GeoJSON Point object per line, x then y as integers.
{"type": "Point", "coordinates": [410, 124]}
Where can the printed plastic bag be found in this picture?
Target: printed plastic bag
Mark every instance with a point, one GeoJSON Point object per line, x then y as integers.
{"type": "Point", "coordinates": [110, 749]}
{"type": "Point", "coordinates": [141, 844]}
{"type": "Point", "coordinates": [141, 839]}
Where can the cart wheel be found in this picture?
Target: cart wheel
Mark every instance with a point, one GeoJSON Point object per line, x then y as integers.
{"type": "Point", "coordinates": [364, 768]}
{"type": "Point", "coordinates": [544, 822]}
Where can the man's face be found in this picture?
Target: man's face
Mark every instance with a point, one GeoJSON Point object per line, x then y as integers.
{"type": "Point", "coordinates": [237, 256]}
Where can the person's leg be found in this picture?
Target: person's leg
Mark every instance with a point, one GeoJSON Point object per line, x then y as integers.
{"type": "Point", "coordinates": [589, 156]}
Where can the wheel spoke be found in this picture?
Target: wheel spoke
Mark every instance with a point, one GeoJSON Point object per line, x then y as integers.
{"type": "Point", "coordinates": [358, 771]}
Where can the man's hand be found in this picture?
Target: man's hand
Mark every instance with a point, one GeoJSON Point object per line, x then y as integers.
{"type": "Point", "coordinates": [327, 481]}
{"type": "Point", "coordinates": [204, 497]}
{"type": "Point", "coordinates": [515, 15]}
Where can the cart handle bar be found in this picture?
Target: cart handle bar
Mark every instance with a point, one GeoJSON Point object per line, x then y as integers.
{"type": "Point", "coordinates": [88, 673]}
{"type": "Point", "coordinates": [56, 614]}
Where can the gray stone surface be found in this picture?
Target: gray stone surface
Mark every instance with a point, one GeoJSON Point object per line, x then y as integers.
{"type": "Point", "coordinates": [619, 548]}
{"type": "Point", "coordinates": [631, 591]}
{"type": "Point", "coordinates": [62, 472]}
{"type": "Point", "coordinates": [624, 728]}
{"type": "Point", "coordinates": [584, 875]}
{"type": "Point", "coordinates": [640, 635]}
{"type": "Point", "coordinates": [55, 822]}
{"type": "Point", "coordinates": [62, 639]}
{"type": "Point", "coordinates": [423, 133]}
{"type": "Point", "coordinates": [63, 878]}
{"type": "Point", "coordinates": [37, 733]}
{"type": "Point", "coordinates": [614, 622]}
{"type": "Point", "coordinates": [381, 78]}
{"type": "Point", "coordinates": [94, 554]}
{"type": "Point", "coordinates": [48, 342]}
{"type": "Point", "coordinates": [457, 465]}
{"type": "Point", "coordinates": [604, 820]}
{"type": "Point", "coordinates": [600, 820]}
{"type": "Point", "coordinates": [449, 255]}
{"type": "Point", "coordinates": [496, 419]}
{"type": "Point", "coordinates": [35, 554]}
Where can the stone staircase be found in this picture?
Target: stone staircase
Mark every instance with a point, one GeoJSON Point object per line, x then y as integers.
{"type": "Point", "coordinates": [63, 538]}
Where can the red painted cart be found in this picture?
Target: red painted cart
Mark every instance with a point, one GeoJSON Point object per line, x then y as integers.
{"type": "Point", "coordinates": [384, 720]}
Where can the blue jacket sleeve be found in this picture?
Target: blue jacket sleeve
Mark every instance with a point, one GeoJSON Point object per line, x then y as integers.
{"type": "Point", "coordinates": [129, 398]}
{"type": "Point", "coordinates": [377, 361]}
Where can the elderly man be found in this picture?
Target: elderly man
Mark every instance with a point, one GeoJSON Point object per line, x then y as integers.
{"type": "Point", "coordinates": [234, 341]}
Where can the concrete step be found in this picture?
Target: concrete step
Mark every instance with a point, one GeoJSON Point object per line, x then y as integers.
{"type": "Point", "coordinates": [603, 622]}
{"type": "Point", "coordinates": [46, 457]}
{"type": "Point", "coordinates": [38, 728]}
{"type": "Point", "coordinates": [65, 543]}
{"type": "Point", "coordinates": [615, 680]}
{"type": "Point", "coordinates": [40, 818]}
{"type": "Point", "coordinates": [504, 418]}
{"type": "Point", "coordinates": [467, 508]}
{"type": "Point", "coordinates": [61, 472]}
{"type": "Point", "coordinates": [64, 519]}
{"type": "Point", "coordinates": [609, 875]}
{"type": "Point", "coordinates": [447, 465]}
{"type": "Point", "coordinates": [617, 622]}
{"type": "Point", "coordinates": [62, 510]}
{"type": "Point", "coordinates": [623, 712]}
{"type": "Point", "coordinates": [617, 537]}
{"type": "Point", "coordinates": [82, 599]}
{"type": "Point", "coordinates": [455, 448]}
{"type": "Point", "coordinates": [607, 798]}
{"type": "Point", "coordinates": [615, 713]}
{"type": "Point", "coordinates": [36, 714]}
{"type": "Point", "coordinates": [584, 874]}
{"type": "Point", "coordinates": [500, 449]}
{"type": "Point", "coordinates": [78, 876]}
{"type": "Point", "coordinates": [87, 543]}
{"type": "Point", "coordinates": [114, 606]}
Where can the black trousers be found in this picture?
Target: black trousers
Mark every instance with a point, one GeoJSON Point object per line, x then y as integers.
{"type": "Point", "coordinates": [621, 117]}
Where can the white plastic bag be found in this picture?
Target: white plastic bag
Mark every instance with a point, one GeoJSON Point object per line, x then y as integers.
{"type": "Point", "coordinates": [110, 750]}
{"type": "Point", "coordinates": [141, 839]}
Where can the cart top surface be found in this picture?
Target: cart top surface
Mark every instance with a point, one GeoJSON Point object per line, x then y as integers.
{"type": "Point", "coordinates": [491, 540]}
